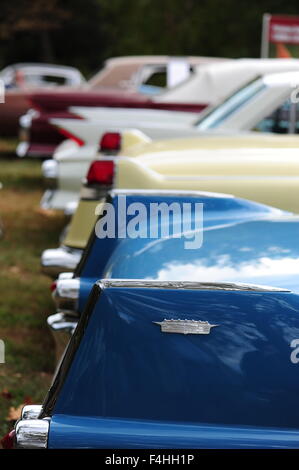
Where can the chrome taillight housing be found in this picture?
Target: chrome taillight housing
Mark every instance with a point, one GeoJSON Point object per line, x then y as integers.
{"type": "Point", "coordinates": [32, 433]}
{"type": "Point", "coordinates": [15, 438]}
{"type": "Point", "coordinates": [31, 411]}
{"type": "Point", "coordinates": [62, 326]}
{"type": "Point", "coordinates": [57, 259]}
{"type": "Point", "coordinates": [66, 294]}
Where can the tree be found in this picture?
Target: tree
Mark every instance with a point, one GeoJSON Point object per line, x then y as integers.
{"type": "Point", "coordinates": [38, 17]}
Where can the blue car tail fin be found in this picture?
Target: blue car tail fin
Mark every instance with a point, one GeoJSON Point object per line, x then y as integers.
{"type": "Point", "coordinates": [184, 352]}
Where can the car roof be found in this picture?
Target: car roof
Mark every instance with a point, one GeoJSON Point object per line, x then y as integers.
{"type": "Point", "coordinates": [282, 78]}
{"type": "Point", "coordinates": [37, 65]}
{"type": "Point", "coordinates": [157, 59]}
{"type": "Point", "coordinates": [214, 82]}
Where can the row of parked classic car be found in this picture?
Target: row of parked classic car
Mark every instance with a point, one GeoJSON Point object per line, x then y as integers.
{"type": "Point", "coordinates": [161, 344]}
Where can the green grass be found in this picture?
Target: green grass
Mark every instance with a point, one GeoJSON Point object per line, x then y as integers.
{"type": "Point", "coordinates": [25, 300]}
{"type": "Point", "coordinates": [8, 146]}
{"type": "Point", "coordinates": [20, 174]}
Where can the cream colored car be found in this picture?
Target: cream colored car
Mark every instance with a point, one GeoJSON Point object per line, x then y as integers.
{"type": "Point", "coordinates": [264, 169]}
{"type": "Point", "coordinates": [263, 106]}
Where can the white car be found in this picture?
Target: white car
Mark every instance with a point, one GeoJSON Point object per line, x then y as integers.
{"type": "Point", "coordinates": [210, 83]}
{"type": "Point", "coordinates": [264, 105]}
{"type": "Point", "coordinates": [40, 75]}
{"type": "Point", "coordinates": [138, 73]}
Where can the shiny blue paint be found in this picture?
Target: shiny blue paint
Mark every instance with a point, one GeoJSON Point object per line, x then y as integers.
{"type": "Point", "coordinates": [131, 386]}
{"type": "Point", "coordinates": [88, 432]}
{"type": "Point", "coordinates": [86, 284]}
{"type": "Point", "coordinates": [260, 252]}
{"type": "Point", "coordinates": [242, 242]}
{"type": "Point", "coordinates": [127, 369]}
{"type": "Point", "coordinates": [218, 212]}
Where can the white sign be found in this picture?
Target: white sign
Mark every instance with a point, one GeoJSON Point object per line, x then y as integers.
{"type": "Point", "coordinates": [178, 70]}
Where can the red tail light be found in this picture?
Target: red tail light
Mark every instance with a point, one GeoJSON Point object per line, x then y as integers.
{"type": "Point", "coordinates": [101, 172]}
{"type": "Point", "coordinates": [8, 440]}
{"type": "Point", "coordinates": [110, 142]}
{"type": "Point", "coordinates": [71, 136]}
{"type": "Point", "coordinates": [53, 286]}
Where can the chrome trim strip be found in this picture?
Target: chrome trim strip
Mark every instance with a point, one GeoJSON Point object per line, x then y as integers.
{"type": "Point", "coordinates": [222, 286]}
{"type": "Point", "coordinates": [168, 192]}
{"type": "Point", "coordinates": [185, 327]}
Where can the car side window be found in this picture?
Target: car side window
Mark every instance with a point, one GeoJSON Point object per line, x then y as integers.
{"type": "Point", "coordinates": [279, 121]}
{"type": "Point", "coordinates": [158, 79]}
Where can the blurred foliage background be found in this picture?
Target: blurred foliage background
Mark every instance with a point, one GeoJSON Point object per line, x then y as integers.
{"type": "Point", "coordinates": [83, 33]}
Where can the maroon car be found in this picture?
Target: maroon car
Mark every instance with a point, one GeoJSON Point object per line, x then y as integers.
{"type": "Point", "coordinates": [126, 82]}
{"type": "Point", "coordinates": [38, 138]}
{"type": "Point", "coordinates": [21, 79]}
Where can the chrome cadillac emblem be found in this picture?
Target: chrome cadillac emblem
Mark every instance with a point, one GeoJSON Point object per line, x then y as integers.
{"type": "Point", "coordinates": [185, 327]}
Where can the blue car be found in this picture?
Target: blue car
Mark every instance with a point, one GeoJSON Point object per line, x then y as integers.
{"type": "Point", "coordinates": [179, 346]}
{"type": "Point", "coordinates": [242, 241]}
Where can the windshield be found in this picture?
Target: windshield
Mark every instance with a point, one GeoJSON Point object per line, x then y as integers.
{"type": "Point", "coordinates": [217, 115]}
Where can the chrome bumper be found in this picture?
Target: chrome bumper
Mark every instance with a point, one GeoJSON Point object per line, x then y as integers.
{"type": "Point", "coordinates": [70, 208]}
{"type": "Point", "coordinates": [56, 261]}
{"type": "Point", "coordinates": [50, 173]}
{"type": "Point", "coordinates": [46, 199]}
{"type": "Point", "coordinates": [60, 200]}
{"type": "Point", "coordinates": [62, 327]}
{"type": "Point", "coordinates": [22, 149]}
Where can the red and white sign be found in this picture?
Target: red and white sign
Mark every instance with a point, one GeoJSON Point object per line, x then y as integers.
{"type": "Point", "coordinates": [284, 29]}
{"type": "Point", "coordinates": [279, 29]}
